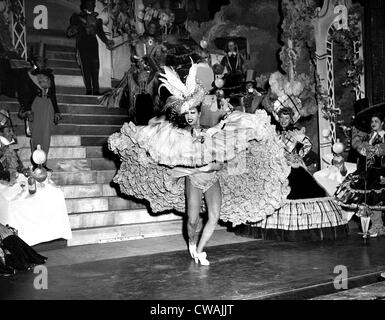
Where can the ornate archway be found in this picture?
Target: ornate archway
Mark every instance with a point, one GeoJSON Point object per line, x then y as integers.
{"type": "Point", "coordinates": [332, 17]}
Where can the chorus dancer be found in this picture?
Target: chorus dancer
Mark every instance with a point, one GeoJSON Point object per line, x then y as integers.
{"type": "Point", "coordinates": [237, 165]}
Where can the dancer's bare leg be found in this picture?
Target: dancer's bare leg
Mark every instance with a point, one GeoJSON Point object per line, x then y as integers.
{"type": "Point", "coordinates": [213, 198]}
{"type": "Point", "coordinates": [194, 199]}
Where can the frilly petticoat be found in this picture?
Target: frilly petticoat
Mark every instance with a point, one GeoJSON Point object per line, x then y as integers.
{"type": "Point", "coordinates": [253, 178]}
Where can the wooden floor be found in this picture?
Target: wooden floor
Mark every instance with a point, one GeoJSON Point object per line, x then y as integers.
{"type": "Point", "coordinates": [239, 271]}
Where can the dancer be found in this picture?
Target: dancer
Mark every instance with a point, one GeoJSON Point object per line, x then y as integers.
{"type": "Point", "coordinates": [308, 213]}
{"type": "Point", "coordinates": [238, 164]}
{"type": "Point", "coordinates": [200, 183]}
{"type": "Point", "coordinates": [364, 189]}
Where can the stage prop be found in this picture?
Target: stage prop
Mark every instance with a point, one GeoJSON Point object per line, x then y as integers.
{"type": "Point", "coordinates": [40, 217]}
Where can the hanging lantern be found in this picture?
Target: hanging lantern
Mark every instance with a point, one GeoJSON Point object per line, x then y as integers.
{"type": "Point", "coordinates": [140, 15]}
{"type": "Point", "coordinates": [219, 83]}
{"type": "Point", "coordinates": [140, 7]}
{"type": "Point", "coordinates": [326, 133]}
{"type": "Point", "coordinates": [338, 147]}
{"type": "Point", "coordinates": [39, 156]}
{"type": "Point", "coordinates": [203, 44]}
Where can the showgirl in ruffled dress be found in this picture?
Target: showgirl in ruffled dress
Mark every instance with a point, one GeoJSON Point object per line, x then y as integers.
{"type": "Point", "coordinates": [308, 212]}
{"type": "Point", "coordinates": [238, 165]}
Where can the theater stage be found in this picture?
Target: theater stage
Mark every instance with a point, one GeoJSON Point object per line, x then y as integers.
{"type": "Point", "coordinates": [249, 270]}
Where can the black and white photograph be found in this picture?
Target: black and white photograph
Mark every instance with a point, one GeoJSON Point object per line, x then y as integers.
{"type": "Point", "coordinates": [192, 155]}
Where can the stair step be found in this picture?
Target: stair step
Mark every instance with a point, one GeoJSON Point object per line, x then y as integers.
{"type": "Point", "coordinates": [93, 119]}
{"type": "Point", "coordinates": [62, 63]}
{"type": "Point", "coordinates": [78, 129]}
{"type": "Point", "coordinates": [118, 203]}
{"type": "Point", "coordinates": [69, 56]}
{"type": "Point", "coordinates": [125, 232]}
{"type": "Point", "coordinates": [89, 190]}
{"type": "Point", "coordinates": [93, 140]}
{"type": "Point", "coordinates": [60, 48]}
{"type": "Point", "coordinates": [56, 141]}
{"type": "Point", "coordinates": [75, 90]}
{"type": "Point", "coordinates": [69, 165]}
{"type": "Point", "coordinates": [86, 205]}
{"type": "Point", "coordinates": [69, 81]}
{"type": "Point", "coordinates": [83, 177]}
{"type": "Point", "coordinates": [77, 99]}
{"type": "Point", "coordinates": [49, 37]}
{"type": "Point", "coordinates": [82, 120]}
{"type": "Point", "coordinates": [116, 218]}
{"type": "Point", "coordinates": [98, 151]}
{"type": "Point", "coordinates": [102, 164]}
{"type": "Point", "coordinates": [13, 106]}
{"type": "Point", "coordinates": [95, 204]}
{"type": "Point", "coordinates": [57, 153]}
{"type": "Point", "coordinates": [128, 232]}
{"type": "Point", "coordinates": [67, 71]}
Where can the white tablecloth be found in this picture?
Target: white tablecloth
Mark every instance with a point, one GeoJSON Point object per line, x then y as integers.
{"type": "Point", "coordinates": [40, 217]}
{"type": "Point", "coordinates": [331, 177]}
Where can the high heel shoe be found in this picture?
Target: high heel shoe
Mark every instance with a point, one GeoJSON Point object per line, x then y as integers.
{"type": "Point", "coordinates": [202, 258]}
{"type": "Point", "coordinates": [192, 248]}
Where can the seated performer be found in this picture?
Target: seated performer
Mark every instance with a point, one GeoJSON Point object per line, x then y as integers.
{"type": "Point", "coordinates": [238, 164]}
{"type": "Point", "coordinates": [364, 190]}
{"type": "Point", "coordinates": [309, 214]}
{"type": "Point", "coordinates": [252, 98]}
{"type": "Point", "coordinates": [10, 163]}
{"type": "Point", "coordinates": [15, 254]}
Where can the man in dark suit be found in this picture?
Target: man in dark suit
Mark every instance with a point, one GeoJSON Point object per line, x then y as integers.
{"type": "Point", "coordinates": [85, 26]}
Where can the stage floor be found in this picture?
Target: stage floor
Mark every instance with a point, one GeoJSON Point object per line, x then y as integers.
{"type": "Point", "coordinates": [248, 270]}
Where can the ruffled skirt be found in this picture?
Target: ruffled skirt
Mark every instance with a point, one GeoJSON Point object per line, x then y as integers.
{"type": "Point", "coordinates": [307, 214]}
{"type": "Point", "coordinates": [157, 158]}
{"type": "Point", "coordinates": [352, 194]}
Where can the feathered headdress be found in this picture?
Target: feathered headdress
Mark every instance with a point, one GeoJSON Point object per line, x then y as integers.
{"type": "Point", "coordinates": [185, 96]}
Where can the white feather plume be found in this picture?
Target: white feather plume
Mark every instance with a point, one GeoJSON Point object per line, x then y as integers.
{"type": "Point", "coordinates": [172, 82]}
{"type": "Point", "coordinates": [191, 81]}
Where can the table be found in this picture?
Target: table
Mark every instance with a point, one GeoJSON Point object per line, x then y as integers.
{"type": "Point", "coordinates": [40, 217]}
{"type": "Point", "coordinates": [330, 178]}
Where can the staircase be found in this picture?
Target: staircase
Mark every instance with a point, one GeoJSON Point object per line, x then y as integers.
{"type": "Point", "coordinates": [84, 167]}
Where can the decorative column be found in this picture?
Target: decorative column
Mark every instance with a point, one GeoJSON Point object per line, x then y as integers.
{"type": "Point", "coordinates": [331, 17]}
